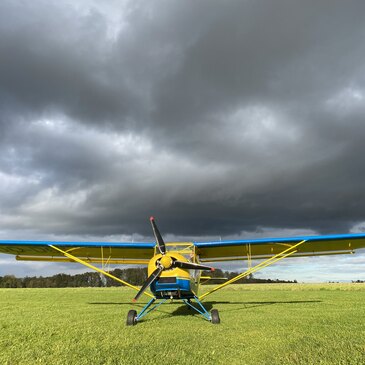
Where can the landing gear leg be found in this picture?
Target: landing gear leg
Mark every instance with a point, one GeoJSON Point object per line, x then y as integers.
{"type": "Point", "coordinates": [212, 317]}
{"type": "Point", "coordinates": [133, 318]}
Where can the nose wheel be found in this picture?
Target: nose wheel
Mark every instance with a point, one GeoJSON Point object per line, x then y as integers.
{"type": "Point", "coordinates": [215, 316]}
{"type": "Point", "coordinates": [132, 318]}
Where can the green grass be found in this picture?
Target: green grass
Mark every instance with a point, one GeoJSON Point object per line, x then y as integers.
{"type": "Point", "coordinates": [260, 324]}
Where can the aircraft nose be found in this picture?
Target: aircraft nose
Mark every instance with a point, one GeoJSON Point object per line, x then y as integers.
{"type": "Point", "coordinates": [166, 261]}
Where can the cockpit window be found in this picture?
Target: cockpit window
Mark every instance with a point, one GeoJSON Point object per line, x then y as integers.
{"type": "Point", "coordinates": [185, 249]}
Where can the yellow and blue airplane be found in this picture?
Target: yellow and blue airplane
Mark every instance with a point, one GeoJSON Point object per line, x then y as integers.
{"type": "Point", "coordinates": [174, 268]}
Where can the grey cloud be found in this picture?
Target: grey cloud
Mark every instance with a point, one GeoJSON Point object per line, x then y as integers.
{"type": "Point", "coordinates": [217, 119]}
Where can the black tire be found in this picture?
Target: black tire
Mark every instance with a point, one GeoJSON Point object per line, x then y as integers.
{"type": "Point", "coordinates": [131, 318]}
{"type": "Point", "coordinates": [215, 316]}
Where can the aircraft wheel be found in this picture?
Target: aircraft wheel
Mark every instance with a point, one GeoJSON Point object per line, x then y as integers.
{"type": "Point", "coordinates": [131, 318]}
{"type": "Point", "coordinates": [215, 316]}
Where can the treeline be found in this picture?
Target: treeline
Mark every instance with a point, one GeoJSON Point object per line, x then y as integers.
{"type": "Point", "coordinates": [135, 276]}
{"type": "Point", "coordinates": [250, 279]}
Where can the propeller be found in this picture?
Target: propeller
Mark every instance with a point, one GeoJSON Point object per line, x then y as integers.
{"type": "Point", "coordinates": [149, 281]}
{"type": "Point", "coordinates": [191, 266]}
{"type": "Point", "coordinates": [166, 262]}
{"type": "Point", "coordinates": [158, 237]}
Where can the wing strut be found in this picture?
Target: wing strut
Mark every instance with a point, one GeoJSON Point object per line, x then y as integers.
{"type": "Point", "coordinates": [281, 255]}
{"type": "Point", "coordinates": [82, 262]}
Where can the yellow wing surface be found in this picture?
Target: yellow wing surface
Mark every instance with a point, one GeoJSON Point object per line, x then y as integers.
{"type": "Point", "coordinates": [271, 250]}
{"type": "Point", "coordinates": [210, 251]}
{"type": "Point", "coordinates": [110, 252]}
{"type": "Point", "coordinates": [266, 247]}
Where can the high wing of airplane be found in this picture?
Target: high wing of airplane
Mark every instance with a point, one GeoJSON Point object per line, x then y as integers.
{"type": "Point", "coordinates": [174, 268]}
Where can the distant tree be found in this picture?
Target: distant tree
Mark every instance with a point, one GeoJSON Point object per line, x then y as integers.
{"type": "Point", "coordinates": [10, 281]}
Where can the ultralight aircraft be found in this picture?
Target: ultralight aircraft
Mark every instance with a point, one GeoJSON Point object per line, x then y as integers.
{"type": "Point", "coordinates": [174, 268]}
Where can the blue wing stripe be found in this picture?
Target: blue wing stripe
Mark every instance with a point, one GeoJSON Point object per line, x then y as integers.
{"type": "Point", "coordinates": [141, 245]}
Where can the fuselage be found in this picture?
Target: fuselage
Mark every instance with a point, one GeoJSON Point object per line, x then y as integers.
{"type": "Point", "coordinates": [175, 283]}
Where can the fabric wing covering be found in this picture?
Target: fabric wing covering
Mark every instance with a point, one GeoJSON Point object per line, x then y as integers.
{"type": "Point", "coordinates": [267, 247]}
{"type": "Point", "coordinates": [141, 252]}
{"type": "Point", "coordinates": [108, 251]}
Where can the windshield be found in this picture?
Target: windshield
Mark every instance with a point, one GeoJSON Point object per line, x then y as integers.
{"type": "Point", "coordinates": [186, 249]}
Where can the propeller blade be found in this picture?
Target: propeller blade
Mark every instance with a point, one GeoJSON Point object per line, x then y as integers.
{"type": "Point", "coordinates": [158, 237]}
{"type": "Point", "coordinates": [191, 266]}
{"type": "Point", "coordinates": [149, 281]}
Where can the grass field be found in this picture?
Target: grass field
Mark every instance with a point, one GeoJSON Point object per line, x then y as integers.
{"type": "Point", "coordinates": [260, 324]}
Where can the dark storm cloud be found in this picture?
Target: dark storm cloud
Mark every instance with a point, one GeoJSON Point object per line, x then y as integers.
{"type": "Point", "coordinates": [217, 118]}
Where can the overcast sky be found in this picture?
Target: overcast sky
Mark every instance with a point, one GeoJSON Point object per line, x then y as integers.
{"type": "Point", "coordinates": [221, 119]}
